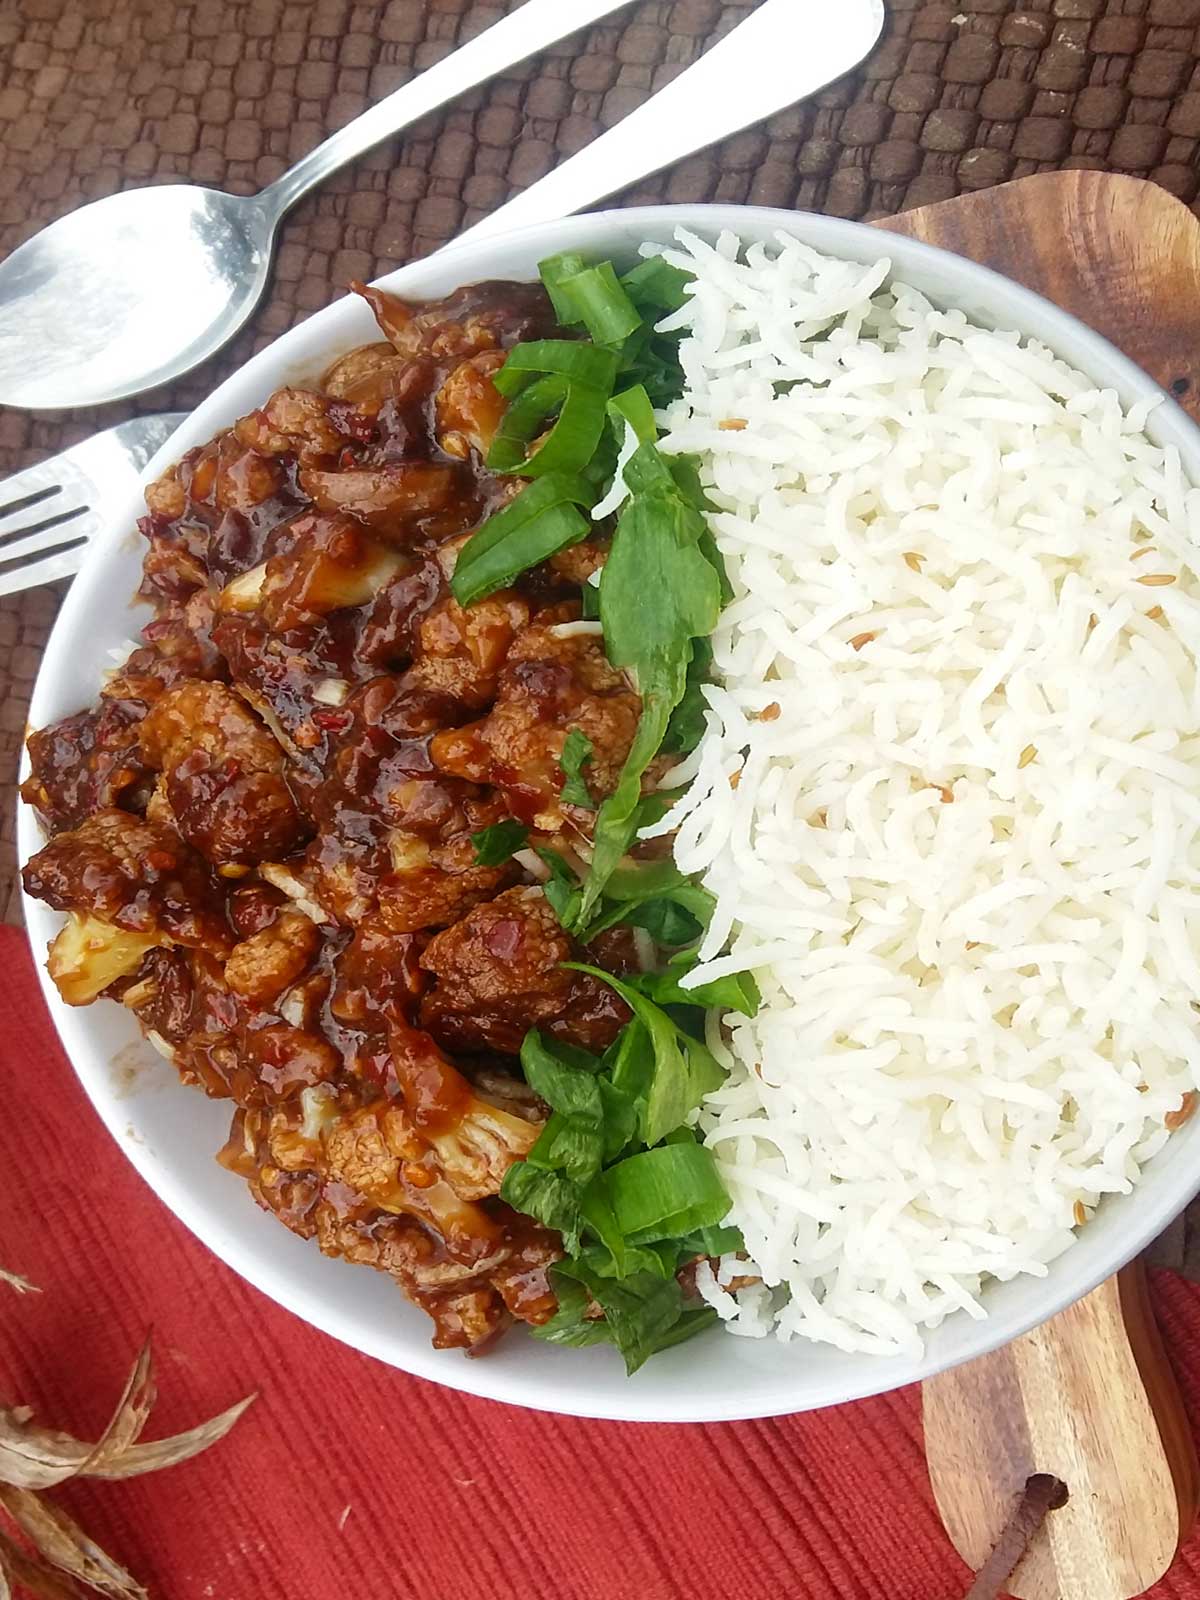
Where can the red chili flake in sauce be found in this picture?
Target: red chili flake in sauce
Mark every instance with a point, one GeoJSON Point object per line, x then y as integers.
{"type": "Point", "coordinates": [503, 938]}
{"type": "Point", "coordinates": [331, 720]}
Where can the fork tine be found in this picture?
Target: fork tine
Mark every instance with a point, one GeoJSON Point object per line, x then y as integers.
{"type": "Point", "coordinates": [52, 534]}
{"type": "Point", "coordinates": [26, 492]}
{"type": "Point", "coordinates": [44, 524]}
{"type": "Point", "coordinates": [50, 511]}
{"type": "Point", "coordinates": [58, 564]}
{"type": "Point", "coordinates": [25, 502]}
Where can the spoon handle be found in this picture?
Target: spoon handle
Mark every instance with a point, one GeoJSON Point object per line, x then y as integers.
{"type": "Point", "coordinates": [530, 28]}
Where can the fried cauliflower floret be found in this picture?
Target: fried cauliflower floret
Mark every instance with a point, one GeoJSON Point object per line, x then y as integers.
{"type": "Point", "coordinates": [88, 955]}
{"type": "Point", "coordinates": [474, 1141]}
{"type": "Point", "coordinates": [365, 375]}
{"type": "Point", "coordinates": [374, 1152]}
{"type": "Point", "coordinates": [469, 407]}
{"type": "Point", "coordinates": [547, 686]}
{"type": "Point", "coordinates": [312, 426]}
{"type": "Point", "coordinates": [374, 974]}
{"type": "Point", "coordinates": [127, 886]}
{"type": "Point", "coordinates": [263, 966]}
{"type": "Point", "coordinates": [86, 761]}
{"type": "Point", "coordinates": [482, 1145]}
{"type": "Point", "coordinates": [133, 875]}
{"type": "Point", "coordinates": [166, 496]}
{"type": "Point", "coordinates": [223, 778]}
{"type": "Point", "coordinates": [482, 316]}
{"type": "Point", "coordinates": [326, 562]}
{"type": "Point", "coordinates": [245, 478]}
{"type": "Point", "coordinates": [396, 499]}
{"type": "Point", "coordinates": [466, 1310]}
{"type": "Point", "coordinates": [432, 897]}
{"type": "Point", "coordinates": [459, 652]}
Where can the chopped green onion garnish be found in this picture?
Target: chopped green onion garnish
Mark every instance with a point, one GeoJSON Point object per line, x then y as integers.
{"type": "Point", "coordinates": [666, 1192]}
{"type": "Point", "coordinates": [684, 1069]}
{"type": "Point", "coordinates": [655, 285]}
{"type": "Point", "coordinates": [543, 519]}
{"type": "Point", "coordinates": [567, 443]}
{"type": "Point", "coordinates": [601, 304]}
{"type": "Point", "coordinates": [633, 406]}
{"type": "Point", "coordinates": [556, 270]}
{"type": "Point", "coordinates": [566, 358]}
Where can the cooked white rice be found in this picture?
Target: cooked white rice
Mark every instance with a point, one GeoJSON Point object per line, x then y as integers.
{"type": "Point", "coordinates": [948, 798]}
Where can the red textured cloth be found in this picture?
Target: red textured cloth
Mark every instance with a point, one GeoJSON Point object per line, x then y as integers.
{"type": "Point", "coordinates": [349, 1481]}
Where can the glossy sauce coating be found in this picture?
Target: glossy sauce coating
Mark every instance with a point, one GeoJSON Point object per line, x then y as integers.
{"type": "Point", "coordinates": [265, 822]}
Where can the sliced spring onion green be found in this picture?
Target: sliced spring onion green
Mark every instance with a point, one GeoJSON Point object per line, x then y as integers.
{"type": "Point", "coordinates": [573, 1139]}
{"type": "Point", "coordinates": [658, 593]}
{"type": "Point", "coordinates": [601, 304]}
{"type": "Point", "coordinates": [557, 390]}
{"type": "Point", "coordinates": [736, 991]}
{"type": "Point", "coordinates": [640, 1310]}
{"type": "Point", "coordinates": [562, 888]}
{"type": "Point", "coordinates": [690, 1321]}
{"type": "Point", "coordinates": [562, 1074]}
{"type": "Point", "coordinates": [666, 1192]}
{"type": "Point", "coordinates": [643, 1313]}
{"type": "Point", "coordinates": [688, 720]}
{"type": "Point", "coordinates": [572, 359]}
{"type": "Point", "coordinates": [718, 1241]}
{"type": "Point", "coordinates": [655, 896]}
{"type": "Point", "coordinates": [599, 1216]}
{"type": "Point", "coordinates": [542, 520]}
{"type": "Point", "coordinates": [554, 272]}
{"type": "Point", "coordinates": [655, 285]}
{"type": "Point", "coordinates": [667, 920]}
{"type": "Point", "coordinates": [548, 1196]}
{"type": "Point", "coordinates": [566, 419]}
{"type": "Point", "coordinates": [633, 406]}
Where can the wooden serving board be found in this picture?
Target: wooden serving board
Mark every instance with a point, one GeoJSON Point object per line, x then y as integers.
{"type": "Point", "coordinates": [1089, 1397]}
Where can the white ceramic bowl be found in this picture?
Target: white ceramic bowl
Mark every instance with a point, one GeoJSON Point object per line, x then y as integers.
{"type": "Point", "coordinates": [171, 1133]}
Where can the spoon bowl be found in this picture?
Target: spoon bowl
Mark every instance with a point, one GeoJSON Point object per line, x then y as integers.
{"type": "Point", "coordinates": [138, 288]}
{"type": "Point", "coordinates": [129, 292]}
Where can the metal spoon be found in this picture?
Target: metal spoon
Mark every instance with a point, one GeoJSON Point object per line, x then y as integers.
{"type": "Point", "coordinates": [136, 289]}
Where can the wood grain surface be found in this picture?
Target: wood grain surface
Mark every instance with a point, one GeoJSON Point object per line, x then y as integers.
{"type": "Point", "coordinates": [1089, 1398]}
{"type": "Point", "coordinates": [1119, 253]}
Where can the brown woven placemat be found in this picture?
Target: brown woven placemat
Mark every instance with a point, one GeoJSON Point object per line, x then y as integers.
{"type": "Point", "coordinates": [98, 95]}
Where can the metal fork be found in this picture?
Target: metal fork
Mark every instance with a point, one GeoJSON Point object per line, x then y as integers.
{"type": "Point", "coordinates": [50, 511]}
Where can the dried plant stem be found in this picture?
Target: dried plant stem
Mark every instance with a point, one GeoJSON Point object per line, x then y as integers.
{"type": "Point", "coordinates": [33, 1459]}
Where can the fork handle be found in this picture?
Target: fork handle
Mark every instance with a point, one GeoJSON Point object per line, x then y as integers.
{"type": "Point", "coordinates": [528, 29]}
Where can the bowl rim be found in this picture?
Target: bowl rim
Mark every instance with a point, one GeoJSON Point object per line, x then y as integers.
{"type": "Point", "coordinates": [1075, 1273]}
